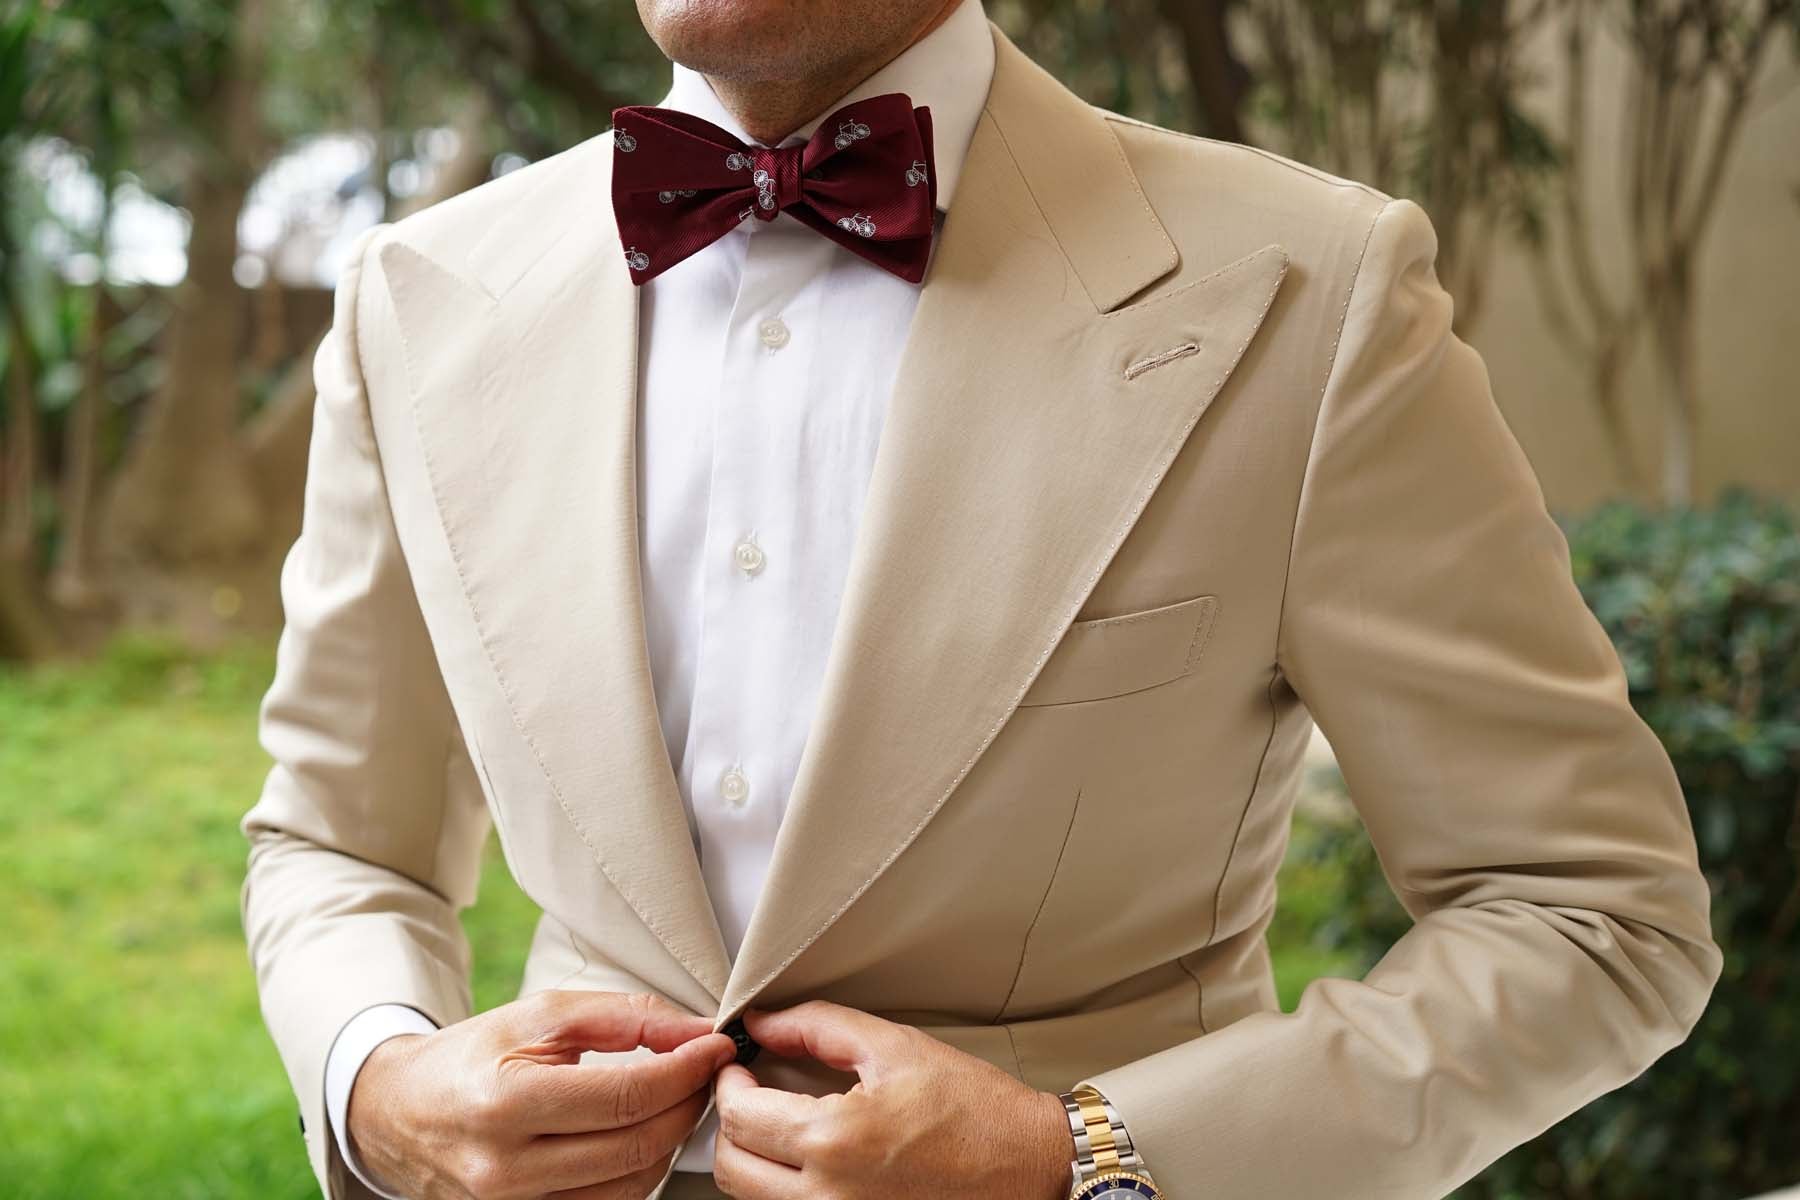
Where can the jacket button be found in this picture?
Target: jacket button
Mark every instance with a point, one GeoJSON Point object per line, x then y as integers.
{"type": "Point", "coordinates": [747, 1046]}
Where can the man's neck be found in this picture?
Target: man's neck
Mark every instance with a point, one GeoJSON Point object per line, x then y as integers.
{"type": "Point", "coordinates": [770, 109]}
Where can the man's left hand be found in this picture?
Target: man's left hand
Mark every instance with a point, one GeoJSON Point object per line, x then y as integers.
{"type": "Point", "coordinates": [923, 1119]}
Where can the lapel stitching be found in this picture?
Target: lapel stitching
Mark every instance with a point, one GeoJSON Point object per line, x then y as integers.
{"type": "Point", "coordinates": [402, 264]}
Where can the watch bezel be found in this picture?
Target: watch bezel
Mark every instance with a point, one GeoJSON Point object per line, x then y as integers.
{"type": "Point", "coordinates": [1108, 1180]}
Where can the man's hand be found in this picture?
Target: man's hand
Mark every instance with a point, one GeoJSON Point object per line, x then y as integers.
{"type": "Point", "coordinates": [923, 1119]}
{"type": "Point", "coordinates": [498, 1106]}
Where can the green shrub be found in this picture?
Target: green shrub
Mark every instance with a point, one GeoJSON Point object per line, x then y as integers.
{"type": "Point", "coordinates": [1704, 608]}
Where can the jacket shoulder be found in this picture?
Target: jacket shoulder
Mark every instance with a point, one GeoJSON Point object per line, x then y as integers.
{"type": "Point", "coordinates": [1225, 198]}
{"type": "Point", "coordinates": [1146, 136]}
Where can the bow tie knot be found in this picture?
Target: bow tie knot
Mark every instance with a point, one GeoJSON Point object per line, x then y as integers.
{"type": "Point", "coordinates": [865, 179]}
{"type": "Point", "coordinates": [775, 173]}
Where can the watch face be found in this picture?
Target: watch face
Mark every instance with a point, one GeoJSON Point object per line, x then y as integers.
{"type": "Point", "coordinates": [1119, 1185]}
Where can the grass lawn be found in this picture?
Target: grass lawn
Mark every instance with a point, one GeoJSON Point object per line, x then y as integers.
{"type": "Point", "coordinates": [133, 1061]}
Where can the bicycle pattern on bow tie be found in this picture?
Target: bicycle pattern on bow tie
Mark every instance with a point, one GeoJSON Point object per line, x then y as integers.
{"type": "Point", "coordinates": [858, 224]}
{"type": "Point", "coordinates": [765, 188]}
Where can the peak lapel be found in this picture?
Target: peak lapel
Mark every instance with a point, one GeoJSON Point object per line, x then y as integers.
{"type": "Point", "coordinates": [522, 356]}
{"type": "Point", "coordinates": [1015, 457]}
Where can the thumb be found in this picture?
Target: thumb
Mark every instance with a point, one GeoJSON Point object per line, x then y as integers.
{"type": "Point", "coordinates": [597, 1020]}
{"type": "Point", "coordinates": [843, 1038]}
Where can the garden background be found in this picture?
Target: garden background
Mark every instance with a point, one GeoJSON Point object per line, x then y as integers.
{"type": "Point", "coordinates": [1616, 185]}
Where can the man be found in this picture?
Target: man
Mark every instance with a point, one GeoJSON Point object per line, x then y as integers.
{"type": "Point", "coordinates": [873, 533]}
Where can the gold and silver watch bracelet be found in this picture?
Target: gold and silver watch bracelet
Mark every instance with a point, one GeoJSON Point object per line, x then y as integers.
{"type": "Point", "coordinates": [1102, 1144]}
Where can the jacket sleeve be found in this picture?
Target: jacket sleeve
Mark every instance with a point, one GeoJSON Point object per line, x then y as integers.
{"type": "Point", "coordinates": [367, 837]}
{"type": "Point", "coordinates": [1524, 815]}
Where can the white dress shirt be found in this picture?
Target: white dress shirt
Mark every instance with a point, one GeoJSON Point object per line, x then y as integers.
{"type": "Point", "coordinates": [766, 361]}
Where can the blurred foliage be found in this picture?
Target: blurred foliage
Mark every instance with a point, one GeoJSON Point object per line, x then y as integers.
{"type": "Point", "coordinates": [1114, 53]}
{"type": "Point", "coordinates": [548, 72]}
{"type": "Point", "coordinates": [1353, 916]}
{"type": "Point", "coordinates": [1703, 606]}
{"type": "Point", "coordinates": [133, 1059]}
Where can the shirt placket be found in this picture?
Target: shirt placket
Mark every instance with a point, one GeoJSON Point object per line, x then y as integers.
{"type": "Point", "coordinates": [740, 762]}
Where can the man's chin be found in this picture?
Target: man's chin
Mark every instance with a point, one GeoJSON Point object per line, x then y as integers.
{"type": "Point", "coordinates": [736, 39]}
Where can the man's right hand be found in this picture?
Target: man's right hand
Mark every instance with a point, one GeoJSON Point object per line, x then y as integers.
{"type": "Point", "coordinates": [498, 1106]}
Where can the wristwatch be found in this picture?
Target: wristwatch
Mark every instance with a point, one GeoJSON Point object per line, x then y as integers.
{"type": "Point", "coordinates": [1107, 1166]}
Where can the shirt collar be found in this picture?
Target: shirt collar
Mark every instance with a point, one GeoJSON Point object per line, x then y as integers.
{"type": "Point", "coordinates": [947, 70]}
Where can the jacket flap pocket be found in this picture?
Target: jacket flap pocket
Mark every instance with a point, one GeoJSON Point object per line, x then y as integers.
{"type": "Point", "coordinates": [1111, 656]}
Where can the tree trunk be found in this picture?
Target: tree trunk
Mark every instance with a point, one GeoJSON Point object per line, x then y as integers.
{"type": "Point", "coordinates": [73, 583]}
{"type": "Point", "coordinates": [26, 631]}
{"type": "Point", "coordinates": [1219, 81]}
{"type": "Point", "coordinates": [1607, 389]}
{"type": "Point", "coordinates": [184, 492]}
{"type": "Point", "coordinates": [18, 470]}
{"type": "Point", "coordinates": [1681, 402]}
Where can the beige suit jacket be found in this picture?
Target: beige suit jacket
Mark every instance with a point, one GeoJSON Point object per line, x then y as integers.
{"type": "Point", "coordinates": [1183, 456]}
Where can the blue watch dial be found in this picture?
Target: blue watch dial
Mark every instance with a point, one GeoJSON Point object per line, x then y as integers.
{"type": "Point", "coordinates": [1118, 1187]}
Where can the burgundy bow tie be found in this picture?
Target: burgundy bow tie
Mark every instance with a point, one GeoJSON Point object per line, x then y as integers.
{"type": "Point", "coordinates": [866, 180]}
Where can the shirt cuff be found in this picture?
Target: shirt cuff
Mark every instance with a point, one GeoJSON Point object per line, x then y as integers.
{"type": "Point", "coordinates": [355, 1042]}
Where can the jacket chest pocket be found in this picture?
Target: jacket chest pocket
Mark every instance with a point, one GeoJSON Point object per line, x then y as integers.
{"type": "Point", "coordinates": [1118, 655]}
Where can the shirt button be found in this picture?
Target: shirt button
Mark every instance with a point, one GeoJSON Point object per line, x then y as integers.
{"type": "Point", "coordinates": [773, 332]}
{"type": "Point", "coordinates": [749, 557]}
{"type": "Point", "coordinates": [733, 786]}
